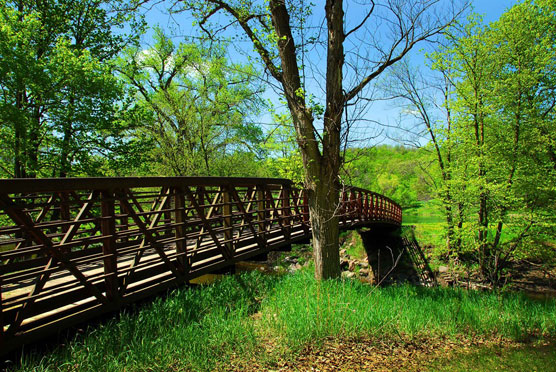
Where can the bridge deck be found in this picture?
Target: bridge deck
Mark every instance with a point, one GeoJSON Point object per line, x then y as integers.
{"type": "Point", "coordinates": [71, 249]}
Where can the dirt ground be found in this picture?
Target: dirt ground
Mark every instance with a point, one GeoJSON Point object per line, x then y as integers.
{"type": "Point", "coordinates": [369, 355]}
{"type": "Point", "coordinates": [536, 280]}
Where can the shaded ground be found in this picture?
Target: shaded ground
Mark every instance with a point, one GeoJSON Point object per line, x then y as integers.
{"type": "Point", "coordinates": [422, 355]}
{"type": "Point", "coordinates": [536, 279]}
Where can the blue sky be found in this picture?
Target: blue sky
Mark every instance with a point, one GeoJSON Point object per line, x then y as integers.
{"type": "Point", "coordinates": [492, 9]}
{"type": "Point", "coordinates": [180, 25]}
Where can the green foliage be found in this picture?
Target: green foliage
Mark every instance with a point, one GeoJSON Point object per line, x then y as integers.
{"type": "Point", "coordinates": [283, 157]}
{"type": "Point", "coordinates": [195, 105]}
{"type": "Point", "coordinates": [191, 329]}
{"type": "Point", "coordinates": [497, 145]}
{"type": "Point", "coordinates": [401, 173]}
{"type": "Point", "coordinates": [203, 329]}
{"type": "Point", "coordinates": [430, 226]}
{"type": "Point", "coordinates": [59, 100]}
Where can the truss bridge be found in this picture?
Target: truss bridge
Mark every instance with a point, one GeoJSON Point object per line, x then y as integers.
{"type": "Point", "coordinates": [72, 249]}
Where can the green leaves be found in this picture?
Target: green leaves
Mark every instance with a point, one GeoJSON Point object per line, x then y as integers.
{"type": "Point", "coordinates": [59, 99]}
{"type": "Point", "coordinates": [503, 128]}
{"type": "Point", "coordinates": [197, 104]}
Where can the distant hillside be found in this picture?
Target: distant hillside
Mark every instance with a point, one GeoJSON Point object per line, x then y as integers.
{"type": "Point", "coordinates": [407, 175]}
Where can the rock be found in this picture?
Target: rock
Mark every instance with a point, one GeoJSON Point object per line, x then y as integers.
{"type": "Point", "coordinates": [349, 274]}
{"type": "Point", "coordinates": [443, 269]}
{"type": "Point", "coordinates": [365, 265]}
{"type": "Point", "coordinates": [351, 266]}
{"type": "Point", "coordinates": [344, 264]}
{"type": "Point", "coordinates": [343, 252]}
{"type": "Point", "coordinates": [294, 267]}
{"type": "Point", "coordinates": [363, 272]}
{"type": "Point", "coordinates": [292, 259]}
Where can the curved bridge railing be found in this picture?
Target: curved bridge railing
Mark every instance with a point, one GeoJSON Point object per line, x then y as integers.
{"type": "Point", "coordinates": [71, 249]}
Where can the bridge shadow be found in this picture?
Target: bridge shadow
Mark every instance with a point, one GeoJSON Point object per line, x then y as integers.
{"type": "Point", "coordinates": [388, 255]}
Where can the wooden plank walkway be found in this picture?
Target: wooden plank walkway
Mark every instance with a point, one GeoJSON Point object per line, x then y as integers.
{"type": "Point", "coordinates": [72, 249]}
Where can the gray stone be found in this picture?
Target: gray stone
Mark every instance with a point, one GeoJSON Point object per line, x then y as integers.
{"type": "Point", "coordinates": [348, 274]}
{"type": "Point", "coordinates": [344, 264]}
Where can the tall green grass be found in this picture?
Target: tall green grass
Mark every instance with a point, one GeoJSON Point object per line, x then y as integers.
{"type": "Point", "coordinates": [204, 328]}
{"type": "Point", "coordinates": [190, 329]}
{"type": "Point", "coordinates": [302, 309]}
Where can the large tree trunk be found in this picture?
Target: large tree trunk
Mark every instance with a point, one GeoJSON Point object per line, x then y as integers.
{"type": "Point", "coordinates": [323, 202]}
{"type": "Point", "coordinates": [326, 196]}
{"type": "Point", "coordinates": [321, 168]}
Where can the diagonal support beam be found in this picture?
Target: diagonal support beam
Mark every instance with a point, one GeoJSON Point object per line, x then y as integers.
{"type": "Point", "coordinates": [227, 254]}
{"type": "Point", "coordinates": [247, 217]}
{"type": "Point", "coordinates": [25, 222]}
{"type": "Point", "coordinates": [148, 235]}
{"type": "Point", "coordinates": [163, 199]}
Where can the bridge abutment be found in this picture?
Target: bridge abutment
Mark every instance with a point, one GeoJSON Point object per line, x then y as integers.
{"type": "Point", "coordinates": [387, 256]}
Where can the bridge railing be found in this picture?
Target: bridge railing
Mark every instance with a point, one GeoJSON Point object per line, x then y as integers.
{"type": "Point", "coordinates": [364, 206]}
{"type": "Point", "coordinates": [71, 249]}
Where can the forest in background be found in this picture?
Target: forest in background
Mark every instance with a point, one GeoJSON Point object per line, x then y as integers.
{"type": "Point", "coordinates": [81, 96]}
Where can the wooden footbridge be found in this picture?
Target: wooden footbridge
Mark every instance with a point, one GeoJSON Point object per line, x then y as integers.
{"type": "Point", "coordinates": [72, 249]}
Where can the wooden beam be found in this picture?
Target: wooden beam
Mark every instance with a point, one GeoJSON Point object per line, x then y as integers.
{"type": "Point", "coordinates": [108, 230]}
{"type": "Point", "coordinates": [181, 235]}
{"type": "Point", "coordinates": [227, 220]}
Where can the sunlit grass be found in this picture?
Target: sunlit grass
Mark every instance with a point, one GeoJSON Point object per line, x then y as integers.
{"type": "Point", "coordinates": [498, 358]}
{"type": "Point", "coordinates": [205, 328]}
{"type": "Point", "coordinates": [302, 309]}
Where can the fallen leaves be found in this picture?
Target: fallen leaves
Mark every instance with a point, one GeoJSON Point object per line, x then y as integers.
{"type": "Point", "coordinates": [368, 354]}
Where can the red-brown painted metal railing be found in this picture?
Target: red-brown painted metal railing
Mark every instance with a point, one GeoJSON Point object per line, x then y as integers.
{"type": "Point", "coordinates": [71, 249]}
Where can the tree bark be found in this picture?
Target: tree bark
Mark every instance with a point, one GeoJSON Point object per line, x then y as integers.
{"type": "Point", "coordinates": [321, 169]}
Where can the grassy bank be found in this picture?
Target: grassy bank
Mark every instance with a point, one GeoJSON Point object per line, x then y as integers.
{"type": "Point", "coordinates": [258, 317]}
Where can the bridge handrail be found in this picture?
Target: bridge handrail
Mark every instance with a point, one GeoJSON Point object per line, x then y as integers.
{"type": "Point", "coordinates": [21, 185]}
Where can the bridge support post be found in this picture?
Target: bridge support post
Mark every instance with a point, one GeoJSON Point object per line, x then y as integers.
{"type": "Point", "coordinates": [108, 230]}
{"type": "Point", "coordinates": [366, 207]}
{"type": "Point", "coordinates": [181, 236]}
{"type": "Point", "coordinates": [261, 212]}
{"type": "Point", "coordinates": [227, 219]}
{"type": "Point", "coordinates": [305, 208]}
{"type": "Point", "coordinates": [286, 211]}
{"type": "Point", "coordinates": [124, 221]}
{"type": "Point", "coordinates": [1, 317]}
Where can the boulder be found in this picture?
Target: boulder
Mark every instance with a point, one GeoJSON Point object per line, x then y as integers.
{"type": "Point", "coordinates": [348, 274]}
{"type": "Point", "coordinates": [443, 269]}
{"type": "Point", "coordinates": [344, 264]}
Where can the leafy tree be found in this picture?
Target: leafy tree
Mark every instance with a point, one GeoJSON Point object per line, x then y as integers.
{"type": "Point", "coordinates": [494, 143]}
{"type": "Point", "coordinates": [58, 99]}
{"type": "Point", "coordinates": [356, 53]}
{"type": "Point", "coordinates": [283, 157]}
{"type": "Point", "coordinates": [395, 171]}
{"type": "Point", "coordinates": [194, 104]}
